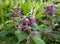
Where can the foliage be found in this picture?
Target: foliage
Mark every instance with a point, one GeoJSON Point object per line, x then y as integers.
{"type": "Point", "coordinates": [29, 22]}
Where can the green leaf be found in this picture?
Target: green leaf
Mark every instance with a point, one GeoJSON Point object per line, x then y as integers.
{"type": "Point", "coordinates": [46, 28]}
{"type": "Point", "coordinates": [21, 35]}
{"type": "Point", "coordinates": [58, 18]}
{"type": "Point", "coordinates": [1, 13]}
{"type": "Point", "coordinates": [57, 11]}
{"type": "Point", "coordinates": [3, 33]}
{"type": "Point", "coordinates": [34, 26]}
{"type": "Point", "coordinates": [37, 40]}
{"type": "Point", "coordinates": [55, 36]}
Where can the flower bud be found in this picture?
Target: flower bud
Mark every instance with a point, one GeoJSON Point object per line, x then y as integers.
{"type": "Point", "coordinates": [27, 39]}
{"type": "Point", "coordinates": [29, 29]}
{"type": "Point", "coordinates": [34, 33]}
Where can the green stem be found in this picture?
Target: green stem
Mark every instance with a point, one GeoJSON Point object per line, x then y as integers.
{"type": "Point", "coordinates": [5, 23]}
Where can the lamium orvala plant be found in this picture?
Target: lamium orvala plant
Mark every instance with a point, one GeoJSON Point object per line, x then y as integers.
{"type": "Point", "coordinates": [29, 22]}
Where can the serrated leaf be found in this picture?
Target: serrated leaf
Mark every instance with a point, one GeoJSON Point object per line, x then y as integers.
{"type": "Point", "coordinates": [21, 35]}
{"type": "Point", "coordinates": [37, 40]}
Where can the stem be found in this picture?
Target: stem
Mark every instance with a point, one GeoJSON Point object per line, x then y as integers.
{"type": "Point", "coordinates": [18, 42]}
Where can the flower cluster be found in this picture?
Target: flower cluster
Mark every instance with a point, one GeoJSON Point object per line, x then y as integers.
{"type": "Point", "coordinates": [50, 9]}
{"type": "Point", "coordinates": [16, 11]}
{"type": "Point", "coordinates": [25, 23]}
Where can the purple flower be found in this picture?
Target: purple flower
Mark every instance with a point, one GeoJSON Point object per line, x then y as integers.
{"type": "Point", "coordinates": [29, 29]}
{"type": "Point", "coordinates": [50, 9]}
{"type": "Point", "coordinates": [25, 21]}
{"type": "Point", "coordinates": [15, 8]}
{"type": "Point", "coordinates": [27, 39]}
{"type": "Point", "coordinates": [20, 26]}
{"type": "Point", "coordinates": [12, 18]}
{"type": "Point", "coordinates": [34, 33]}
{"type": "Point", "coordinates": [16, 11]}
{"type": "Point", "coordinates": [49, 33]}
{"type": "Point", "coordinates": [31, 19]}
